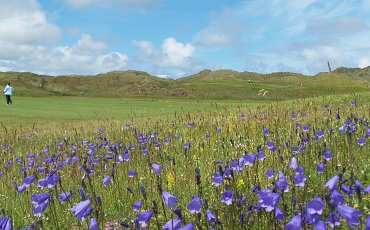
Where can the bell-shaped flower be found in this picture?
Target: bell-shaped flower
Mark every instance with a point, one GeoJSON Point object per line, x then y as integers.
{"type": "Point", "coordinates": [82, 209]}
{"type": "Point", "coordinates": [295, 223]}
{"type": "Point", "coordinates": [93, 224]}
{"type": "Point", "coordinates": [278, 214]}
{"type": "Point", "coordinates": [268, 199]}
{"type": "Point", "coordinates": [332, 183]}
{"type": "Point", "coordinates": [106, 181]}
{"type": "Point", "coordinates": [227, 197]}
{"type": "Point", "coordinates": [333, 219]}
{"type": "Point", "coordinates": [173, 224]}
{"type": "Point", "coordinates": [137, 206]}
{"type": "Point", "coordinates": [144, 218]}
{"type": "Point", "coordinates": [351, 215]}
{"type": "Point", "coordinates": [63, 197]}
{"type": "Point", "coordinates": [195, 206]}
{"type": "Point", "coordinates": [169, 199]}
{"type": "Point", "coordinates": [157, 168]}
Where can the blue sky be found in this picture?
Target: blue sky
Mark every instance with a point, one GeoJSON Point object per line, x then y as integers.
{"type": "Point", "coordinates": [178, 38]}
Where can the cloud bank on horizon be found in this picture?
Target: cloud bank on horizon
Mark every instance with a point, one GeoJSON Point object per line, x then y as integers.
{"type": "Point", "coordinates": [179, 38]}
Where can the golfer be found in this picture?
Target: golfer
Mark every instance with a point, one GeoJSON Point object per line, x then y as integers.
{"type": "Point", "coordinates": [8, 91]}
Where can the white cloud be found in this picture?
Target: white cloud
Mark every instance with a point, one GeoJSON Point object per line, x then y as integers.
{"type": "Point", "coordinates": [86, 56]}
{"type": "Point", "coordinates": [364, 62]}
{"type": "Point", "coordinates": [146, 49]}
{"type": "Point", "coordinates": [172, 53]}
{"type": "Point", "coordinates": [176, 54]}
{"type": "Point", "coordinates": [87, 45]}
{"type": "Point", "coordinates": [172, 58]}
{"type": "Point", "coordinates": [23, 22]}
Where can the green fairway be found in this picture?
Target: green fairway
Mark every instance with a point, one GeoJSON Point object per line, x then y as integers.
{"type": "Point", "coordinates": [27, 111]}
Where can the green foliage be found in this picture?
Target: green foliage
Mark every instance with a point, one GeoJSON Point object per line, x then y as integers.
{"type": "Point", "coordinates": [207, 84]}
{"type": "Point", "coordinates": [236, 138]}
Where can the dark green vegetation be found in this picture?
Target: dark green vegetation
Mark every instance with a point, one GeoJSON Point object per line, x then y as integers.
{"type": "Point", "coordinates": [219, 84]}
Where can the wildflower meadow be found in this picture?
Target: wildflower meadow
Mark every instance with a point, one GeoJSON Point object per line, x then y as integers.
{"type": "Point", "coordinates": [301, 164]}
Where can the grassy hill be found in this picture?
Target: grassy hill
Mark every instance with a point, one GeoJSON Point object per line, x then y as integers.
{"type": "Point", "coordinates": [207, 84]}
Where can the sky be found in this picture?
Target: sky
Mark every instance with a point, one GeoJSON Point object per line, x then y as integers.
{"type": "Point", "coordinates": [177, 38]}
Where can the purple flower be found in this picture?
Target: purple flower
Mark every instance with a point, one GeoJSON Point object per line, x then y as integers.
{"type": "Point", "coordinates": [63, 197]}
{"type": "Point", "coordinates": [81, 210]}
{"type": "Point", "coordinates": [332, 183]}
{"type": "Point", "coordinates": [320, 134]}
{"type": "Point", "coordinates": [294, 116]}
{"type": "Point", "coordinates": [144, 218]}
{"type": "Point", "coordinates": [367, 223]}
{"type": "Point", "coordinates": [266, 131]}
{"type": "Point", "coordinates": [169, 199]}
{"type": "Point", "coordinates": [49, 181]}
{"type": "Point", "coordinates": [336, 197]}
{"type": "Point", "coordinates": [314, 209]}
{"type": "Point", "coordinates": [328, 156]}
{"type": "Point", "coordinates": [227, 197]}
{"type": "Point", "coordinates": [210, 217]}
{"type": "Point", "coordinates": [137, 206]}
{"type": "Point", "coordinates": [351, 215]}
{"type": "Point", "coordinates": [218, 129]}
{"type": "Point", "coordinates": [305, 128]}
{"type": "Point", "coordinates": [295, 223]}
{"type": "Point", "coordinates": [249, 159]}
{"type": "Point", "coordinates": [172, 224]}
{"type": "Point", "coordinates": [320, 168]}
{"type": "Point", "coordinates": [282, 184]}
{"type": "Point", "coordinates": [271, 146]}
{"type": "Point", "coordinates": [367, 190]}
{"type": "Point", "coordinates": [93, 224]}
{"type": "Point", "coordinates": [6, 223]}
{"type": "Point", "coordinates": [190, 124]}
{"type": "Point", "coordinates": [320, 225]}
{"type": "Point", "coordinates": [299, 179]}
{"type": "Point", "coordinates": [278, 214]}
{"type": "Point", "coordinates": [295, 150]}
{"type": "Point", "coordinates": [37, 199]}
{"type": "Point", "coordinates": [106, 181]}
{"type": "Point", "coordinates": [361, 141]}
{"type": "Point", "coordinates": [217, 179]}
{"type": "Point", "coordinates": [333, 219]}
{"type": "Point", "coordinates": [268, 199]}
{"type": "Point", "coordinates": [261, 155]}
{"type": "Point", "coordinates": [157, 168]}
{"type": "Point", "coordinates": [353, 102]}
{"type": "Point", "coordinates": [132, 173]}
{"type": "Point", "coordinates": [293, 163]}
{"type": "Point", "coordinates": [270, 173]}
{"type": "Point", "coordinates": [242, 116]}
{"type": "Point", "coordinates": [195, 206]}
{"type": "Point", "coordinates": [28, 180]}
{"type": "Point", "coordinates": [41, 207]}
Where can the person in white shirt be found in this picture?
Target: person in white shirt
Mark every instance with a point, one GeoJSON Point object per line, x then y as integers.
{"type": "Point", "coordinates": [8, 91]}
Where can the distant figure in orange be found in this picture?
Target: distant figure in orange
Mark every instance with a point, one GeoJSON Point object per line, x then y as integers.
{"type": "Point", "coordinates": [8, 91]}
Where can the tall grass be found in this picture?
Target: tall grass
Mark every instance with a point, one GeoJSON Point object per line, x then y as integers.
{"type": "Point", "coordinates": [194, 149]}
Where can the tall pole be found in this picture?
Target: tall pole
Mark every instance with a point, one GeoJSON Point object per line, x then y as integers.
{"type": "Point", "coordinates": [329, 68]}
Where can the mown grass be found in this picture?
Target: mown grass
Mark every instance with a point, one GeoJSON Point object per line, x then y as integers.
{"type": "Point", "coordinates": [179, 142]}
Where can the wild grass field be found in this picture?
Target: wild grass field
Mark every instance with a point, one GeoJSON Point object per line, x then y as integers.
{"type": "Point", "coordinates": [138, 164]}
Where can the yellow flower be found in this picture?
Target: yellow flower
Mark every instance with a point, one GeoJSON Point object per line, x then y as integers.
{"type": "Point", "coordinates": [240, 183]}
{"type": "Point", "coordinates": [170, 180]}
